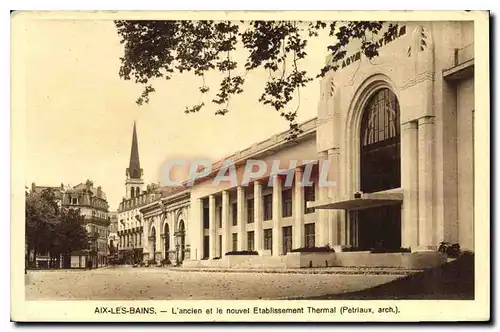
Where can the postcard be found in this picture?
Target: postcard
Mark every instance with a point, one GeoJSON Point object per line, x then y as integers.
{"type": "Point", "coordinates": [250, 166]}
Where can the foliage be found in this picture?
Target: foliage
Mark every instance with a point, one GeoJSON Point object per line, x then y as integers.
{"type": "Point", "coordinates": [71, 231]}
{"type": "Point", "coordinates": [314, 249]}
{"type": "Point", "coordinates": [41, 217]}
{"type": "Point", "coordinates": [377, 250]}
{"type": "Point", "coordinates": [158, 49]}
{"type": "Point", "coordinates": [52, 229]}
{"type": "Point", "coordinates": [385, 250]}
{"type": "Point", "coordinates": [242, 252]}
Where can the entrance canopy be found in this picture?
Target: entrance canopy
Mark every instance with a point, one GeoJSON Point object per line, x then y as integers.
{"type": "Point", "coordinates": [366, 201]}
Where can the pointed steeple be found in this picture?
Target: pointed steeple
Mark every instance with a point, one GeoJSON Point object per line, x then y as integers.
{"type": "Point", "coordinates": [134, 170]}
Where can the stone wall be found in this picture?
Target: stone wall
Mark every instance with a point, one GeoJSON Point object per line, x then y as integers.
{"type": "Point", "coordinates": [416, 260]}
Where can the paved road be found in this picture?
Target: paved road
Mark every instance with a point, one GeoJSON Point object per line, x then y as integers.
{"type": "Point", "coordinates": [126, 283]}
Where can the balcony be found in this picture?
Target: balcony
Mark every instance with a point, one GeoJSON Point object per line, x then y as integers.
{"type": "Point", "coordinates": [464, 64]}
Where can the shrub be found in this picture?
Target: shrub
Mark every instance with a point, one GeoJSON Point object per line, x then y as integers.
{"type": "Point", "coordinates": [165, 262]}
{"type": "Point", "coordinates": [151, 262]}
{"type": "Point", "coordinates": [242, 252]}
{"type": "Point", "coordinates": [385, 250]}
{"type": "Point", "coordinates": [314, 249]}
{"type": "Point", "coordinates": [353, 249]}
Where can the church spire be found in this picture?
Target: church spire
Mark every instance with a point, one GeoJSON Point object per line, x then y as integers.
{"type": "Point", "coordinates": [134, 170]}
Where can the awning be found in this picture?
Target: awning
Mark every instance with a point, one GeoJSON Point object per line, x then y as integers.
{"type": "Point", "coordinates": [365, 202]}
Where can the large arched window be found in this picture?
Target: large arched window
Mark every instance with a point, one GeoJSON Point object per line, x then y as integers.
{"type": "Point", "coordinates": [153, 239]}
{"type": "Point", "coordinates": [380, 143]}
{"type": "Point", "coordinates": [182, 240]}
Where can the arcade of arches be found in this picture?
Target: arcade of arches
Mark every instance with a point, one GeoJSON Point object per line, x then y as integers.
{"type": "Point", "coordinates": [166, 249]}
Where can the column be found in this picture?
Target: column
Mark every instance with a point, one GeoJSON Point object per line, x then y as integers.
{"type": "Point", "coordinates": [240, 206]}
{"type": "Point", "coordinates": [212, 226]}
{"type": "Point", "coordinates": [145, 244]}
{"type": "Point", "coordinates": [425, 183]}
{"type": "Point", "coordinates": [277, 240]}
{"type": "Point", "coordinates": [409, 182]}
{"type": "Point", "coordinates": [159, 242]}
{"type": "Point", "coordinates": [323, 214]}
{"type": "Point", "coordinates": [198, 254]}
{"type": "Point", "coordinates": [162, 235]}
{"type": "Point", "coordinates": [335, 226]}
{"type": "Point", "coordinates": [258, 215]}
{"type": "Point", "coordinates": [298, 216]}
{"type": "Point", "coordinates": [225, 222]}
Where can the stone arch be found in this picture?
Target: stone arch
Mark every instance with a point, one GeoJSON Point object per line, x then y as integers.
{"type": "Point", "coordinates": [366, 90]}
{"type": "Point", "coordinates": [165, 221]}
{"type": "Point", "coordinates": [182, 225]}
{"type": "Point", "coordinates": [179, 216]}
{"type": "Point", "coordinates": [151, 225]}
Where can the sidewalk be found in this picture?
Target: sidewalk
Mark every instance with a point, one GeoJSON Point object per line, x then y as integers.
{"type": "Point", "coordinates": [325, 270]}
{"type": "Point", "coordinates": [75, 269]}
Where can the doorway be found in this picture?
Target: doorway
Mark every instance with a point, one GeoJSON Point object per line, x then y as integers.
{"type": "Point", "coordinates": [206, 246]}
{"type": "Point", "coordinates": [287, 239]}
{"type": "Point", "coordinates": [379, 228]}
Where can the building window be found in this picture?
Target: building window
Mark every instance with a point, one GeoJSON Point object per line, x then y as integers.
{"type": "Point", "coordinates": [310, 236]}
{"type": "Point", "coordinates": [251, 241]}
{"type": "Point", "coordinates": [309, 196]}
{"type": "Point", "coordinates": [287, 239]}
{"type": "Point", "coordinates": [220, 216]}
{"type": "Point", "coordinates": [268, 207]}
{"type": "Point", "coordinates": [250, 214]}
{"type": "Point", "coordinates": [268, 239]}
{"type": "Point", "coordinates": [206, 218]}
{"type": "Point", "coordinates": [235, 241]}
{"type": "Point", "coordinates": [286, 203]}
{"type": "Point", "coordinates": [380, 143]}
{"type": "Point", "coordinates": [74, 201]}
{"type": "Point", "coordinates": [235, 214]}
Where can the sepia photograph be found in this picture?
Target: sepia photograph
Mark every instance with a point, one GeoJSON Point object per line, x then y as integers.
{"type": "Point", "coordinates": [305, 164]}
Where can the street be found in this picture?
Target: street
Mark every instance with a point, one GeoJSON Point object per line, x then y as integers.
{"type": "Point", "coordinates": [126, 283]}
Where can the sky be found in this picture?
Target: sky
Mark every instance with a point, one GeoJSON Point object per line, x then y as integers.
{"type": "Point", "coordinates": [80, 113]}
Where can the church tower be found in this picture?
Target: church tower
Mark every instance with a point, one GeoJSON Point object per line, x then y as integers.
{"type": "Point", "coordinates": [134, 183]}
